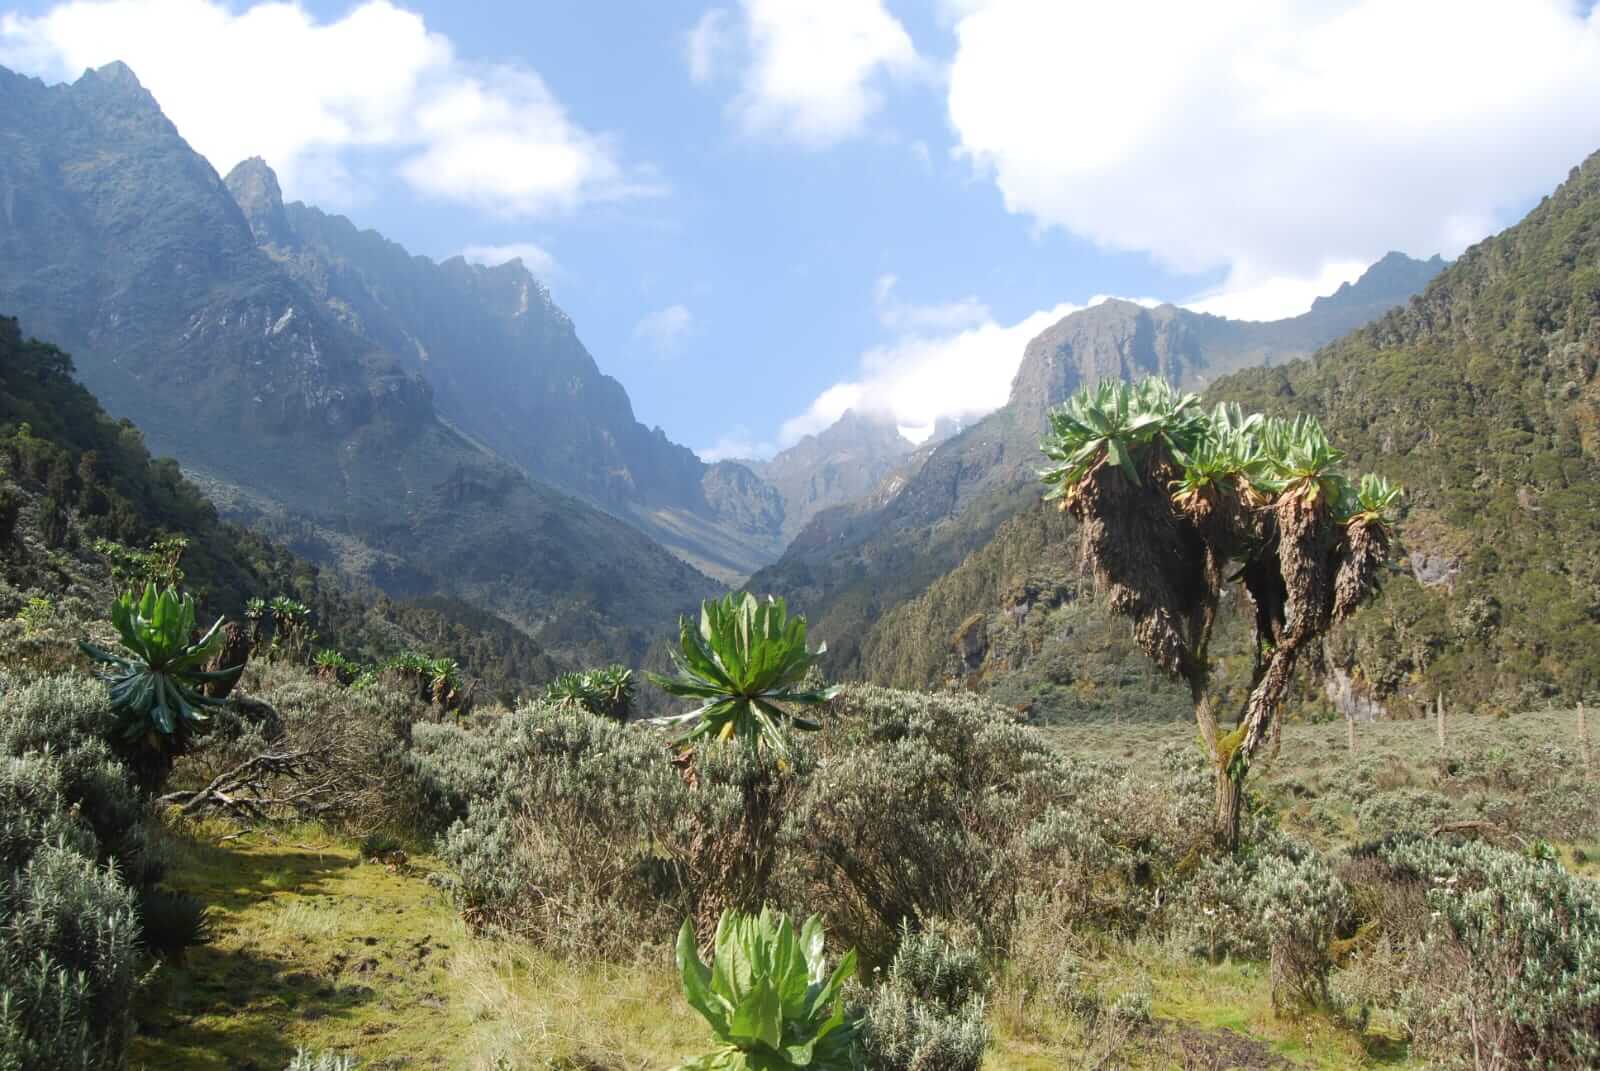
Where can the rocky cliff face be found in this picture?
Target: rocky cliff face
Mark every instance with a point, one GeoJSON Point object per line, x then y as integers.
{"type": "Point", "coordinates": [184, 313]}
{"type": "Point", "coordinates": [840, 464]}
{"type": "Point", "coordinates": [506, 366]}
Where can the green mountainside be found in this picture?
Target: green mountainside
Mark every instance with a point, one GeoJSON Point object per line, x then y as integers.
{"type": "Point", "coordinates": [72, 479]}
{"type": "Point", "coordinates": [853, 565]}
{"type": "Point", "coordinates": [123, 246]}
{"type": "Point", "coordinates": [507, 368]}
{"type": "Point", "coordinates": [1482, 398]}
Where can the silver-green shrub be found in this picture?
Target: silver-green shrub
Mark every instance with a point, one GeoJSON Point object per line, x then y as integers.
{"type": "Point", "coordinates": [1507, 970]}
{"type": "Point", "coordinates": [917, 810]}
{"type": "Point", "coordinates": [927, 1012]}
{"type": "Point", "coordinates": [1402, 810]}
{"type": "Point", "coordinates": [1301, 906]}
{"type": "Point", "coordinates": [557, 848]}
{"type": "Point", "coordinates": [305, 1060]}
{"type": "Point", "coordinates": [74, 862]}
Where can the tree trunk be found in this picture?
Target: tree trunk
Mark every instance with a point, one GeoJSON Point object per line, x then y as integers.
{"type": "Point", "coordinates": [1229, 795]}
{"type": "Point", "coordinates": [1583, 743]}
{"type": "Point", "coordinates": [1350, 729]}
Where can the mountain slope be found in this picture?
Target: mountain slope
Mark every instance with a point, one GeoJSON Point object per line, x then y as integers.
{"type": "Point", "coordinates": [839, 464]}
{"type": "Point", "coordinates": [71, 479]}
{"type": "Point", "coordinates": [123, 245]}
{"type": "Point", "coordinates": [1483, 398]}
{"type": "Point", "coordinates": [853, 565]}
{"type": "Point", "coordinates": [507, 368]}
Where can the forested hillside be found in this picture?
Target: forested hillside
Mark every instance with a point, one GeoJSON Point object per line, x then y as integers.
{"type": "Point", "coordinates": [854, 565]}
{"type": "Point", "coordinates": [82, 503]}
{"type": "Point", "coordinates": [1482, 398]}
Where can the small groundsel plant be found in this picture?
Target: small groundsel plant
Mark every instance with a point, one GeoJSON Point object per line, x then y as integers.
{"type": "Point", "coordinates": [156, 680]}
{"type": "Point", "coordinates": [769, 996]}
{"type": "Point", "coordinates": [605, 693]}
{"type": "Point", "coordinates": [746, 664]}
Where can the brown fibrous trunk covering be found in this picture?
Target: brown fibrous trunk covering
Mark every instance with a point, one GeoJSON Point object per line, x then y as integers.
{"type": "Point", "coordinates": [233, 654]}
{"type": "Point", "coordinates": [1365, 547]}
{"type": "Point", "coordinates": [1148, 562]}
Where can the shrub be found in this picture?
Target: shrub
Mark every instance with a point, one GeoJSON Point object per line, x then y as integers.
{"type": "Point", "coordinates": [556, 842]}
{"type": "Point", "coordinates": [1301, 906]}
{"type": "Point", "coordinates": [916, 811]}
{"type": "Point", "coordinates": [76, 869]}
{"type": "Point", "coordinates": [351, 768]}
{"type": "Point", "coordinates": [770, 999]}
{"type": "Point", "coordinates": [1508, 974]}
{"type": "Point", "coordinates": [70, 958]}
{"type": "Point", "coordinates": [1113, 846]}
{"type": "Point", "coordinates": [1407, 810]}
{"type": "Point", "coordinates": [928, 1010]}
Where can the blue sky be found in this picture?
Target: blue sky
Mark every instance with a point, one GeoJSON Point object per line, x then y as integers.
{"type": "Point", "coordinates": [761, 211]}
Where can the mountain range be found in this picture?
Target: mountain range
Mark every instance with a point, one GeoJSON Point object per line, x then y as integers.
{"type": "Point", "coordinates": [438, 429]}
{"type": "Point", "coordinates": [122, 245]}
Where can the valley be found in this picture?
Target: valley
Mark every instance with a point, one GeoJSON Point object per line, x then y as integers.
{"type": "Point", "coordinates": [925, 662]}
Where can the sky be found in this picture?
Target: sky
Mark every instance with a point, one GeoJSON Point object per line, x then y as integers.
{"type": "Point", "coordinates": [760, 213]}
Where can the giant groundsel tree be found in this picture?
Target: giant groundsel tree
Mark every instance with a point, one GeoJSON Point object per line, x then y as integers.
{"type": "Point", "coordinates": [1175, 505]}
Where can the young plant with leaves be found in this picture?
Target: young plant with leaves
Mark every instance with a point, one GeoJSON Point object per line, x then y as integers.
{"type": "Point", "coordinates": [605, 693]}
{"type": "Point", "coordinates": [771, 1001]}
{"type": "Point", "coordinates": [157, 683]}
{"type": "Point", "coordinates": [1174, 506]}
{"type": "Point", "coordinates": [746, 664]}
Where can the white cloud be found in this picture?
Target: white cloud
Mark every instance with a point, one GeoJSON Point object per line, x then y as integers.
{"type": "Point", "coordinates": [738, 445]}
{"type": "Point", "coordinates": [1279, 141]}
{"type": "Point", "coordinates": [273, 80]}
{"type": "Point", "coordinates": [665, 329]}
{"type": "Point", "coordinates": [813, 69]}
{"type": "Point", "coordinates": [901, 316]}
{"type": "Point", "coordinates": [535, 258]}
{"type": "Point", "coordinates": [1244, 297]}
{"type": "Point", "coordinates": [921, 378]}
{"type": "Point", "coordinates": [710, 37]}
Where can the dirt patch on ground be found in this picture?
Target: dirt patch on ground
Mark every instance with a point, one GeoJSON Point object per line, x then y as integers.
{"type": "Point", "coordinates": [1196, 1049]}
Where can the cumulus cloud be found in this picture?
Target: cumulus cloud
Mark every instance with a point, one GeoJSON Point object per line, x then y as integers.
{"type": "Point", "coordinates": [271, 79]}
{"type": "Point", "coordinates": [535, 258]}
{"type": "Point", "coordinates": [904, 316]}
{"type": "Point", "coordinates": [923, 376]}
{"type": "Point", "coordinates": [1277, 141]}
{"type": "Point", "coordinates": [812, 70]}
{"type": "Point", "coordinates": [1244, 297]}
{"type": "Point", "coordinates": [665, 329]}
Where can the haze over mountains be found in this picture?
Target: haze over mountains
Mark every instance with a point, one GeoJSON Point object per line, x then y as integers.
{"type": "Point", "coordinates": [123, 246]}
{"type": "Point", "coordinates": [440, 428]}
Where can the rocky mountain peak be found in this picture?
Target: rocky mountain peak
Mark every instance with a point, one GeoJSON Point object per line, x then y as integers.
{"type": "Point", "coordinates": [255, 188]}
{"type": "Point", "coordinates": [1389, 281]}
